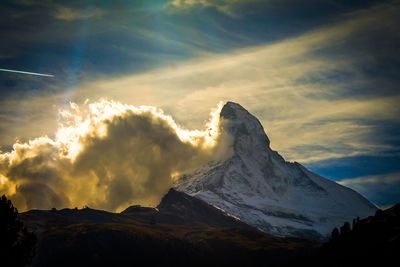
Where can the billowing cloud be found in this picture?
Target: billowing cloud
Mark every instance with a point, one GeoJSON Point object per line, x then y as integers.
{"type": "Point", "coordinates": [106, 155]}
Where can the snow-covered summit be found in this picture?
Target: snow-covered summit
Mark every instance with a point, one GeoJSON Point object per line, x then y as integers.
{"type": "Point", "coordinates": [247, 131]}
{"type": "Point", "coordinates": [258, 186]}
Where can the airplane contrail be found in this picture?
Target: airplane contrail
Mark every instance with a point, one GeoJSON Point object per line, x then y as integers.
{"type": "Point", "coordinates": [26, 72]}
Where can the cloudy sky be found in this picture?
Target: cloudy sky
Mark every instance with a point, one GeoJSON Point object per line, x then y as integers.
{"type": "Point", "coordinates": [322, 77]}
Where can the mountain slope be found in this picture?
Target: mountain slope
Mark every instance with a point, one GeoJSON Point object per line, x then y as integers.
{"type": "Point", "coordinates": [258, 186]}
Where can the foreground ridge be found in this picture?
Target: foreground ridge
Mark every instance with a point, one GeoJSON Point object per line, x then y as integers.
{"type": "Point", "coordinates": [182, 231]}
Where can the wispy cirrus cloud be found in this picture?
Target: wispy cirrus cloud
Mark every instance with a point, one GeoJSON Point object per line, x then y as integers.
{"type": "Point", "coordinates": [70, 14]}
{"type": "Point", "coordinates": [225, 6]}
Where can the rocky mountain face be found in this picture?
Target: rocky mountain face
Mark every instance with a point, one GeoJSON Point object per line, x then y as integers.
{"type": "Point", "coordinates": [260, 188]}
{"type": "Point", "coordinates": [194, 210]}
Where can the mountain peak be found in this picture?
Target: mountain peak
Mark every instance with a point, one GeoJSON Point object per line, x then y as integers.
{"type": "Point", "coordinates": [234, 111]}
{"type": "Point", "coordinates": [229, 110]}
{"type": "Point", "coordinates": [247, 131]}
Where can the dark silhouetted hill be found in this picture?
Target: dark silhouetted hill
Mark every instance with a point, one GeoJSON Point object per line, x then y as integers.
{"type": "Point", "coordinates": [181, 231]}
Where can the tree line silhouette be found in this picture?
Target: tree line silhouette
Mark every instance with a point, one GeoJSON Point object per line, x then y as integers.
{"type": "Point", "coordinates": [373, 241]}
{"type": "Point", "coordinates": [17, 244]}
